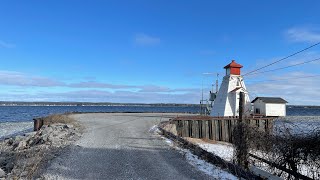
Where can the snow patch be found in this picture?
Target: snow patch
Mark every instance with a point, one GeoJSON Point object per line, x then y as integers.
{"type": "Point", "coordinates": [13, 128]}
{"type": "Point", "coordinates": [154, 129]}
{"type": "Point", "coordinates": [222, 150]}
{"type": "Point", "coordinates": [207, 168]}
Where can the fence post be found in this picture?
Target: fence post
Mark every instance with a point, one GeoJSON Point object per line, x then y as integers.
{"type": "Point", "coordinates": [241, 142]}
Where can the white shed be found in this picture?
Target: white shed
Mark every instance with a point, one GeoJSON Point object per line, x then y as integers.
{"type": "Point", "coordinates": [269, 106]}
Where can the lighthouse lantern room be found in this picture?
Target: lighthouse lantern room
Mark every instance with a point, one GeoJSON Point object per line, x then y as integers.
{"type": "Point", "coordinates": [233, 68]}
{"type": "Point", "coordinates": [227, 100]}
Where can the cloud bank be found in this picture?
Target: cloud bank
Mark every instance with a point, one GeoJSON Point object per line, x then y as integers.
{"type": "Point", "coordinates": [303, 34]}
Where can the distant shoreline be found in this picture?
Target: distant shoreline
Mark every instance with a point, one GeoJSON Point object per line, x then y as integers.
{"type": "Point", "coordinates": [9, 103]}
{"type": "Point", "coordinates": [12, 103]}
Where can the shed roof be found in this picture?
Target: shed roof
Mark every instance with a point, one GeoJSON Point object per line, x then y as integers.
{"type": "Point", "coordinates": [276, 100]}
{"type": "Point", "coordinates": [233, 64]}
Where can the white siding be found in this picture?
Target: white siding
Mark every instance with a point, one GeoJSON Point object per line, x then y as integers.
{"type": "Point", "coordinates": [269, 109]}
{"type": "Point", "coordinates": [227, 102]}
{"type": "Point", "coordinates": [275, 109]}
{"type": "Point", "coordinates": [258, 104]}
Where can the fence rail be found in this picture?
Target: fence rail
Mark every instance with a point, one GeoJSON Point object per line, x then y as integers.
{"type": "Point", "coordinates": [216, 128]}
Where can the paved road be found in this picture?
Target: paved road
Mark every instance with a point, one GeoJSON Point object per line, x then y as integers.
{"type": "Point", "coordinates": [119, 146]}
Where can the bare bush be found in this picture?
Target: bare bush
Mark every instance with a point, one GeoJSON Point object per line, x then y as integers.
{"type": "Point", "coordinates": [285, 148]}
{"type": "Point", "coordinates": [58, 118]}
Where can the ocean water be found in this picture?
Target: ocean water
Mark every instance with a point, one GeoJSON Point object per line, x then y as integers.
{"type": "Point", "coordinates": [19, 119]}
{"type": "Point", "coordinates": [15, 119]}
{"type": "Point", "coordinates": [27, 113]}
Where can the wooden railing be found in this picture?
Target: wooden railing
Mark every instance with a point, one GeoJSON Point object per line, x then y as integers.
{"type": "Point", "coordinates": [216, 128]}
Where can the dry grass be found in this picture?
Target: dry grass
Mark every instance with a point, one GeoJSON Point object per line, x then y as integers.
{"type": "Point", "coordinates": [58, 118]}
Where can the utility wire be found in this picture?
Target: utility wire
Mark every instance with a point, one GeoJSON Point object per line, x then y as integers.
{"type": "Point", "coordinates": [282, 59]}
{"type": "Point", "coordinates": [286, 67]}
{"type": "Point", "coordinates": [286, 78]}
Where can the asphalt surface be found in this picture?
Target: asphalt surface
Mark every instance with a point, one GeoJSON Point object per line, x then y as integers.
{"type": "Point", "coordinates": [120, 146]}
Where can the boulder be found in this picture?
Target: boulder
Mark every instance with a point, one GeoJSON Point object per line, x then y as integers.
{"type": "Point", "coordinates": [31, 133]}
{"type": "Point", "coordinates": [21, 145]}
{"type": "Point", "coordinates": [2, 173]}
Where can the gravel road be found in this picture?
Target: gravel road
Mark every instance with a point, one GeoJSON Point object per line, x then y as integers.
{"type": "Point", "coordinates": [120, 146]}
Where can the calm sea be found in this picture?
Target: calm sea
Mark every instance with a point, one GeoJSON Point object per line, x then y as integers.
{"type": "Point", "coordinates": [18, 119]}
{"type": "Point", "coordinates": [27, 113]}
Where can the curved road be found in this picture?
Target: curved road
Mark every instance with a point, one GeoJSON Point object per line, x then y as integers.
{"type": "Point", "coordinates": [119, 146]}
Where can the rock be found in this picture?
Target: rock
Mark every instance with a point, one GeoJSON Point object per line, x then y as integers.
{"type": "Point", "coordinates": [48, 130]}
{"type": "Point", "coordinates": [2, 173]}
{"type": "Point", "coordinates": [68, 126]}
{"type": "Point", "coordinates": [9, 141]}
{"type": "Point", "coordinates": [31, 133]}
{"type": "Point", "coordinates": [18, 138]}
{"type": "Point", "coordinates": [21, 145]}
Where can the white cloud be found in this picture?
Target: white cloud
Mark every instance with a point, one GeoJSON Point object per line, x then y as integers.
{"type": "Point", "coordinates": [303, 34]}
{"type": "Point", "coordinates": [144, 39]}
{"type": "Point", "coordinates": [104, 96]}
{"type": "Point", "coordinates": [4, 44]}
{"type": "Point", "coordinates": [98, 91]}
{"type": "Point", "coordinates": [12, 78]}
{"type": "Point", "coordinates": [291, 86]}
{"type": "Point", "coordinates": [94, 84]}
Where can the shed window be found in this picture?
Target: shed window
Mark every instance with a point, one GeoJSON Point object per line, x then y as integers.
{"type": "Point", "coordinates": [257, 111]}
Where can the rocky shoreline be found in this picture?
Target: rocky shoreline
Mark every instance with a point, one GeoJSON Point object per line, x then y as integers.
{"type": "Point", "coordinates": [24, 157]}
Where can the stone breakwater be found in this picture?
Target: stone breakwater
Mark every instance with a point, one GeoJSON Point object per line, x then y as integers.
{"type": "Point", "coordinates": [24, 157]}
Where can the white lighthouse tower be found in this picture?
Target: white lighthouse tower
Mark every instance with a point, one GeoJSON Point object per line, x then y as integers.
{"type": "Point", "coordinates": [227, 100]}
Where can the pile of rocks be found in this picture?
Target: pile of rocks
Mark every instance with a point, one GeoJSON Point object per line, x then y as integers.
{"type": "Point", "coordinates": [23, 156]}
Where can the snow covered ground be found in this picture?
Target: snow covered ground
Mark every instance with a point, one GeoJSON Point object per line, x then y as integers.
{"type": "Point", "coordinates": [297, 124]}
{"type": "Point", "coordinates": [209, 169]}
{"type": "Point", "coordinates": [225, 151]}
{"type": "Point", "coordinates": [12, 128]}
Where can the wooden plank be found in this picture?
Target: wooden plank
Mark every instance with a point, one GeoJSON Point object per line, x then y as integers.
{"type": "Point", "coordinates": [213, 129]}
{"type": "Point", "coordinates": [210, 129]}
{"type": "Point", "coordinates": [200, 129]}
{"type": "Point", "coordinates": [225, 131]}
{"type": "Point", "coordinates": [196, 129]}
{"type": "Point", "coordinates": [183, 128]}
{"type": "Point", "coordinates": [219, 130]}
{"type": "Point", "coordinates": [223, 135]}
{"type": "Point", "coordinates": [205, 127]}
{"type": "Point", "coordinates": [190, 128]}
{"type": "Point", "coordinates": [177, 123]}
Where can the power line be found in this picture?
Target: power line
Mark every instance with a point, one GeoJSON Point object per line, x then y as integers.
{"type": "Point", "coordinates": [283, 58]}
{"type": "Point", "coordinates": [286, 66]}
{"type": "Point", "coordinates": [286, 78]}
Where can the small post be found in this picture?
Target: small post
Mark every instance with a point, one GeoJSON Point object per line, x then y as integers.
{"type": "Point", "coordinates": [241, 142]}
{"type": "Point", "coordinates": [241, 106]}
{"type": "Point", "coordinates": [37, 124]}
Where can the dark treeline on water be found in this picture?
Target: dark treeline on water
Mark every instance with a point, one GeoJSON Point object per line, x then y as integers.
{"type": "Point", "coordinates": [22, 103]}
{"type": "Point", "coordinates": [25, 103]}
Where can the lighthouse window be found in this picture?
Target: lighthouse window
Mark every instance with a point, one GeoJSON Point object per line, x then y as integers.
{"type": "Point", "coordinates": [228, 71]}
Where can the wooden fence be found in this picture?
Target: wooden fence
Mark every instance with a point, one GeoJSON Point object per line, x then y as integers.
{"type": "Point", "coordinates": [216, 128]}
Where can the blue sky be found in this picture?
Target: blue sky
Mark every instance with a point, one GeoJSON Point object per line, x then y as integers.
{"type": "Point", "coordinates": [154, 51]}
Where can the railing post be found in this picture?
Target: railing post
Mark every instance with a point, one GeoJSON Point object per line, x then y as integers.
{"type": "Point", "coordinates": [241, 142]}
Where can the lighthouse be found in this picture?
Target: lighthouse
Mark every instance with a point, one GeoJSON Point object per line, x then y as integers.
{"type": "Point", "coordinates": [227, 99]}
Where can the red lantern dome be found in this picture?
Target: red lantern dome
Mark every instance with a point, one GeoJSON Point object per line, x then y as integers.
{"type": "Point", "coordinates": [233, 68]}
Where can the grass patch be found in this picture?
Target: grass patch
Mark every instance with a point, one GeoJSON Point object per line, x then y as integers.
{"type": "Point", "coordinates": [58, 118]}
